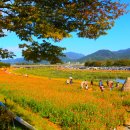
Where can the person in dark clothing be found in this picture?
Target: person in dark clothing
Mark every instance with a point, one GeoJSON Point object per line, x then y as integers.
{"type": "Point", "coordinates": [91, 83]}
{"type": "Point", "coordinates": [71, 80]}
{"type": "Point", "coordinates": [107, 82]}
{"type": "Point", "coordinates": [117, 85]}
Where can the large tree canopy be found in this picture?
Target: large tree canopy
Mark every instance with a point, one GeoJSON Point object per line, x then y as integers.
{"type": "Point", "coordinates": [56, 19]}
{"type": "Point", "coordinates": [44, 51]}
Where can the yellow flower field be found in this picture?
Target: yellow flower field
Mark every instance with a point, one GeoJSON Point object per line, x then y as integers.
{"type": "Point", "coordinates": [66, 105]}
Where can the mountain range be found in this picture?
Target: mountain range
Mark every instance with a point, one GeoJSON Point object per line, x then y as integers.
{"type": "Point", "coordinates": [107, 55]}
{"type": "Point", "coordinates": [73, 55]}
{"type": "Point", "coordinates": [69, 56]}
{"type": "Point", "coordinates": [77, 57]}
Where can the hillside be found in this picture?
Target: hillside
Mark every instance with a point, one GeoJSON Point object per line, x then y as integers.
{"type": "Point", "coordinates": [123, 53]}
{"type": "Point", "coordinates": [107, 54]}
{"type": "Point", "coordinates": [73, 55]}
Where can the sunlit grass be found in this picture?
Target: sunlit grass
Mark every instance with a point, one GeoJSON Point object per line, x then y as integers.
{"type": "Point", "coordinates": [52, 72]}
{"type": "Point", "coordinates": [28, 115]}
{"type": "Point", "coordinates": [66, 105]}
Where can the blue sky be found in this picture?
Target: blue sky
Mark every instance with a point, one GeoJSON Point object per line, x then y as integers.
{"type": "Point", "coordinates": [117, 38]}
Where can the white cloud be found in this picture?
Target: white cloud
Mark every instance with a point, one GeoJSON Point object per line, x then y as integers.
{"type": "Point", "coordinates": [14, 49]}
{"type": "Point", "coordinates": [6, 32]}
{"type": "Point", "coordinates": [17, 51]}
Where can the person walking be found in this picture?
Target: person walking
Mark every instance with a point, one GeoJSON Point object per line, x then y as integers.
{"type": "Point", "coordinates": [107, 82]}
{"type": "Point", "coordinates": [71, 79]}
{"type": "Point", "coordinates": [117, 85]}
{"type": "Point", "coordinates": [86, 84]}
{"type": "Point", "coordinates": [101, 86]}
{"type": "Point", "coordinates": [82, 84]}
{"type": "Point", "coordinates": [111, 85]}
{"type": "Point", "coordinates": [91, 83]}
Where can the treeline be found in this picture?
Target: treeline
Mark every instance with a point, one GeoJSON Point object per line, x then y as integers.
{"type": "Point", "coordinates": [108, 63]}
{"type": "Point", "coordinates": [4, 64]}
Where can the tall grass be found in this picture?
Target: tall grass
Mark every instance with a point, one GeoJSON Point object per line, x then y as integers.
{"type": "Point", "coordinates": [66, 105]}
{"type": "Point", "coordinates": [103, 112]}
{"type": "Point", "coordinates": [89, 115]}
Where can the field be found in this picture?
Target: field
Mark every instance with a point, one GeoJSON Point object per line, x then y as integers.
{"type": "Point", "coordinates": [56, 105]}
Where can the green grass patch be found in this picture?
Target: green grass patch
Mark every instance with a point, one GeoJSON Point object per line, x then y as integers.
{"type": "Point", "coordinates": [52, 72]}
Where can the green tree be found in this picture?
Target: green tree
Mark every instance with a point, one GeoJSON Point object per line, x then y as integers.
{"type": "Point", "coordinates": [4, 53]}
{"type": "Point", "coordinates": [94, 63]}
{"type": "Point", "coordinates": [122, 62]}
{"type": "Point", "coordinates": [44, 51]}
{"type": "Point", "coordinates": [56, 19]}
{"type": "Point", "coordinates": [109, 63]}
{"type": "Point", "coordinates": [87, 63]}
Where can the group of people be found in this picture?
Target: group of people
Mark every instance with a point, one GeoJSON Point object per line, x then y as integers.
{"type": "Point", "coordinates": [85, 84]}
{"type": "Point", "coordinates": [110, 85]}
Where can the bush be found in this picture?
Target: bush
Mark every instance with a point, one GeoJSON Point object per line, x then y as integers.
{"type": "Point", "coordinates": [4, 64]}
{"type": "Point", "coordinates": [5, 119]}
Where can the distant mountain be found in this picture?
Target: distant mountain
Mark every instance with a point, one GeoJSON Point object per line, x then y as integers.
{"type": "Point", "coordinates": [77, 57]}
{"type": "Point", "coordinates": [21, 60]}
{"type": "Point", "coordinates": [73, 55]}
{"type": "Point", "coordinates": [123, 53]}
{"type": "Point", "coordinates": [107, 54]}
{"type": "Point", "coordinates": [14, 61]}
{"type": "Point", "coordinates": [70, 56]}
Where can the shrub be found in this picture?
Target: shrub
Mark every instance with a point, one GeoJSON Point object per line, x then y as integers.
{"type": "Point", "coordinates": [4, 64]}
{"type": "Point", "coordinates": [5, 119]}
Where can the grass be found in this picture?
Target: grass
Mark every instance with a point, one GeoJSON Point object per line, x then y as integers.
{"type": "Point", "coordinates": [27, 115]}
{"type": "Point", "coordinates": [66, 105]}
{"type": "Point", "coordinates": [52, 72]}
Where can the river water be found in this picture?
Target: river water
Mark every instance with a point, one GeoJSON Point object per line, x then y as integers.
{"type": "Point", "coordinates": [120, 80]}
